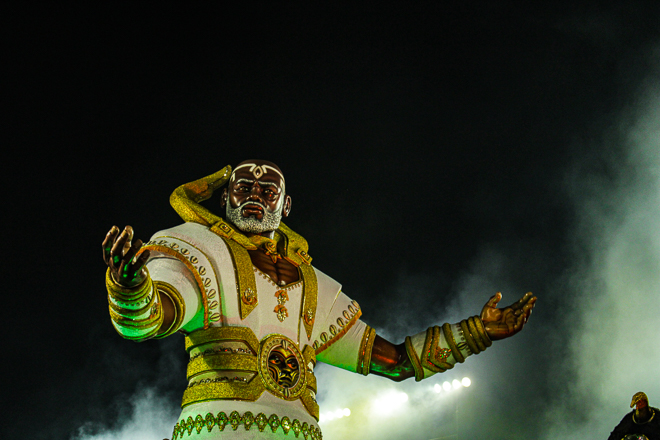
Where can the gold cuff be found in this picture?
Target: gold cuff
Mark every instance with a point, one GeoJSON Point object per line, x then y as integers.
{"type": "Point", "coordinates": [364, 354]}
{"type": "Point", "coordinates": [128, 296]}
{"type": "Point", "coordinates": [168, 290]}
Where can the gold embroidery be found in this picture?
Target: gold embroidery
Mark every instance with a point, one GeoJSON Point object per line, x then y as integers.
{"type": "Point", "coordinates": [281, 312]}
{"type": "Point", "coordinates": [280, 309]}
{"type": "Point", "coordinates": [325, 342]}
{"type": "Point", "coordinates": [186, 427]}
{"type": "Point", "coordinates": [246, 285]}
{"type": "Point", "coordinates": [183, 255]}
{"type": "Point", "coordinates": [434, 357]}
{"type": "Point", "coordinates": [309, 297]}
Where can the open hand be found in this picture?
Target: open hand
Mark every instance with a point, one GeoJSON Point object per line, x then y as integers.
{"type": "Point", "coordinates": [119, 255]}
{"type": "Point", "coordinates": [506, 322]}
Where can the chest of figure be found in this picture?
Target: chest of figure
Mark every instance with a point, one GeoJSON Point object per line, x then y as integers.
{"type": "Point", "coordinates": [278, 308]}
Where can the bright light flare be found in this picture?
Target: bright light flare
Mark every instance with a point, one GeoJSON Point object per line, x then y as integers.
{"type": "Point", "coordinates": [332, 415]}
{"type": "Point", "coordinates": [453, 385]}
{"type": "Point", "coordinates": [386, 403]}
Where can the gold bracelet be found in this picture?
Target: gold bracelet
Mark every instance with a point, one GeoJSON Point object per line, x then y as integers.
{"type": "Point", "coordinates": [364, 353]}
{"type": "Point", "coordinates": [475, 331]}
{"type": "Point", "coordinates": [449, 337]}
{"type": "Point", "coordinates": [157, 317]}
{"type": "Point", "coordinates": [131, 313]}
{"type": "Point", "coordinates": [124, 294]}
{"type": "Point", "coordinates": [163, 288]}
{"type": "Point", "coordinates": [471, 342]}
{"type": "Point", "coordinates": [482, 331]}
{"type": "Point", "coordinates": [414, 359]}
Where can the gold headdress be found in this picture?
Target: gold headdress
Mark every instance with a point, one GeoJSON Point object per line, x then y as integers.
{"type": "Point", "coordinates": [637, 397]}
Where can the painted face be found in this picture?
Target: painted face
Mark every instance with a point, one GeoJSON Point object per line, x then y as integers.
{"type": "Point", "coordinates": [255, 198]}
{"type": "Point", "coordinates": [283, 367]}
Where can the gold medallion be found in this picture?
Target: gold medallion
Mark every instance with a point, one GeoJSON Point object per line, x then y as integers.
{"type": "Point", "coordinates": [282, 367]}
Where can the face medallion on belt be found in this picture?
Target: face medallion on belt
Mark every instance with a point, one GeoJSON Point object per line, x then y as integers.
{"type": "Point", "coordinates": [282, 367]}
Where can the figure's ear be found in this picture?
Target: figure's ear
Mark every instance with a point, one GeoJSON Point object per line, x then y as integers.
{"type": "Point", "coordinates": [223, 198]}
{"type": "Point", "coordinates": [287, 206]}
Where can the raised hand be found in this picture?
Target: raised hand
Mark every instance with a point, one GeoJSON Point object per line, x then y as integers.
{"type": "Point", "coordinates": [119, 254]}
{"type": "Point", "coordinates": [506, 322]}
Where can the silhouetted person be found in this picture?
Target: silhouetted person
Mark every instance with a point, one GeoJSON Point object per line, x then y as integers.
{"type": "Point", "coordinates": [643, 420]}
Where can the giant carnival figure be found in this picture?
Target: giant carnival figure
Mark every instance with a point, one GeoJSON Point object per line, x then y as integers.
{"type": "Point", "coordinates": [257, 315]}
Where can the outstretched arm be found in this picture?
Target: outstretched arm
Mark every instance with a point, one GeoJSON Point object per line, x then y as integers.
{"type": "Point", "coordinates": [394, 361]}
{"type": "Point", "coordinates": [127, 273]}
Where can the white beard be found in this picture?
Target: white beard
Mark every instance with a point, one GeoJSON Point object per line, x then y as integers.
{"type": "Point", "coordinates": [270, 221]}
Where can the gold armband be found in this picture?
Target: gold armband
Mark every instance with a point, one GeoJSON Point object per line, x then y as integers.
{"type": "Point", "coordinates": [179, 307]}
{"type": "Point", "coordinates": [364, 353]}
{"type": "Point", "coordinates": [438, 349]}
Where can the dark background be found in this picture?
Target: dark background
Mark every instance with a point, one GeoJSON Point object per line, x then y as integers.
{"type": "Point", "coordinates": [434, 154]}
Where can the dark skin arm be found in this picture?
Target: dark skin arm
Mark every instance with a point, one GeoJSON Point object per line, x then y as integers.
{"type": "Point", "coordinates": [119, 255]}
{"type": "Point", "coordinates": [391, 361]}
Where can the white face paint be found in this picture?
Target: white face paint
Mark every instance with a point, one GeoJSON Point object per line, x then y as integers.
{"type": "Point", "coordinates": [270, 221]}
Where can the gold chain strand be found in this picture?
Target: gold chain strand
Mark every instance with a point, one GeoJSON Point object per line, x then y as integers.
{"type": "Point", "coordinates": [449, 337]}
{"type": "Point", "coordinates": [414, 360]}
{"type": "Point", "coordinates": [475, 333]}
{"type": "Point", "coordinates": [481, 330]}
{"type": "Point", "coordinates": [471, 342]}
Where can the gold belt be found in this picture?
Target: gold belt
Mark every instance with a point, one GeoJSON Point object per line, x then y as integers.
{"type": "Point", "coordinates": [244, 367]}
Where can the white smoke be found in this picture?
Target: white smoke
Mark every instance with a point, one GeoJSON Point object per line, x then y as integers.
{"type": "Point", "coordinates": [148, 416]}
{"type": "Point", "coordinates": [611, 312]}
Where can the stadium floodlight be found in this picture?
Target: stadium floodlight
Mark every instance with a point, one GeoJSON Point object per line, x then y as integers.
{"type": "Point", "coordinates": [446, 385]}
{"type": "Point", "coordinates": [456, 384]}
{"type": "Point", "coordinates": [437, 388]}
{"type": "Point", "coordinates": [466, 382]}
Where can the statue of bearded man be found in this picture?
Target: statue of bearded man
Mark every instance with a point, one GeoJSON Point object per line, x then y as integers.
{"type": "Point", "coordinates": [257, 316]}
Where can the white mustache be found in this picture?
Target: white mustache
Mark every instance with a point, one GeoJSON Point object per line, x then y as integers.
{"type": "Point", "coordinates": [251, 202]}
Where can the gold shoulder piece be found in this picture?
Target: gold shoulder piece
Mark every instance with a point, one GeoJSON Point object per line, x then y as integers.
{"type": "Point", "coordinates": [185, 199]}
{"type": "Point", "coordinates": [294, 246]}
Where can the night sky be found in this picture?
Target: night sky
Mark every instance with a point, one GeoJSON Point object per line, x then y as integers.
{"type": "Point", "coordinates": [434, 154]}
